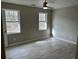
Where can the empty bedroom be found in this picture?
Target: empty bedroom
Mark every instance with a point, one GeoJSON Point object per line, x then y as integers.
{"type": "Point", "coordinates": [40, 29]}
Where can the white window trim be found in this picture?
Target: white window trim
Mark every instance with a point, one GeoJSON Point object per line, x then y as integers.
{"type": "Point", "coordinates": [44, 21]}
{"type": "Point", "coordinates": [4, 19]}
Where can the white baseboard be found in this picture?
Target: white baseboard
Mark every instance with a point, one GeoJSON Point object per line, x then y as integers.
{"type": "Point", "coordinates": [64, 39]}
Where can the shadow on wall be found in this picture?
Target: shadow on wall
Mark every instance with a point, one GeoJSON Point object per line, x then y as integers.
{"type": "Point", "coordinates": [65, 23]}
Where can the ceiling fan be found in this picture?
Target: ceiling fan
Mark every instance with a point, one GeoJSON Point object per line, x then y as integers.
{"type": "Point", "coordinates": [45, 4]}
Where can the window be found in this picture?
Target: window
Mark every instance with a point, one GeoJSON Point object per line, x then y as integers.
{"type": "Point", "coordinates": [12, 18]}
{"type": "Point", "coordinates": [42, 21]}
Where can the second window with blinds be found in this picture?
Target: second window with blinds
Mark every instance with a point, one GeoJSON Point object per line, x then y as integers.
{"type": "Point", "coordinates": [42, 21]}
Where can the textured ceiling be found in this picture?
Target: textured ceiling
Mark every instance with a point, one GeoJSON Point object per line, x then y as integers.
{"type": "Point", "coordinates": [51, 3]}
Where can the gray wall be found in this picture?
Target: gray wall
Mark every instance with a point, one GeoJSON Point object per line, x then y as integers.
{"type": "Point", "coordinates": [65, 23]}
{"type": "Point", "coordinates": [29, 17]}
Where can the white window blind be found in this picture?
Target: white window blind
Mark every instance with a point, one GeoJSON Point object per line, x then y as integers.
{"type": "Point", "coordinates": [12, 21]}
{"type": "Point", "coordinates": [42, 21]}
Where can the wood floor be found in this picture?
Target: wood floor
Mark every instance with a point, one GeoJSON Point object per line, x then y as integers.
{"type": "Point", "coordinates": [47, 49]}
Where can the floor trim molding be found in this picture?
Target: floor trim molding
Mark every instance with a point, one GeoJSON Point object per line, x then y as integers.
{"type": "Point", "coordinates": [64, 39]}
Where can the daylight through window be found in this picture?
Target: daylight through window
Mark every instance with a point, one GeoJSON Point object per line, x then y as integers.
{"type": "Point", "coordinates": [42, 21]}
{"type": "Point", "coordinates": [12, 21]}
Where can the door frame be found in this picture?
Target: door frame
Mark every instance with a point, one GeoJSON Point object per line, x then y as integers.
{"type": "Point", "coordinates": [3, 56]}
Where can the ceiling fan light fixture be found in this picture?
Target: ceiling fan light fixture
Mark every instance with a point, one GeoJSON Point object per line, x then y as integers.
{"type": "Point", "coordinates": [45, 5]}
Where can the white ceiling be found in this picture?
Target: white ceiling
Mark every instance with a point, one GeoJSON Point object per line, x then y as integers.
{"type": "Point", "coordinates": [51, 3]}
